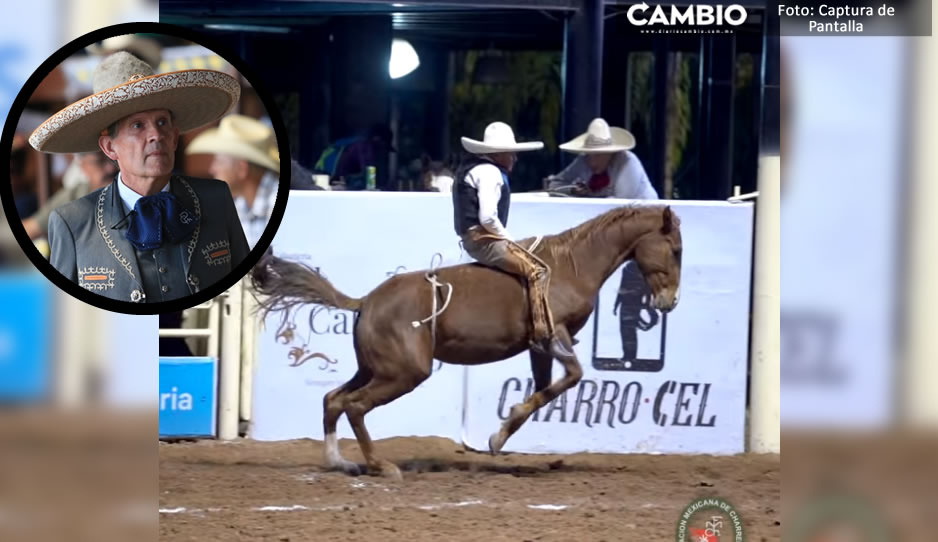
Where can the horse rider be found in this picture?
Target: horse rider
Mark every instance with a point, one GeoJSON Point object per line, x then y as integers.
{"type": "Point", "coordinates": [605, 167]}
{"type": "Point", "coordinates": [481, 198]}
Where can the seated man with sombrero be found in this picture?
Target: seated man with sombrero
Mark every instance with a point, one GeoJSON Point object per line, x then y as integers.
{"type": "Point", "coordinates": [149, 235]}
{"type": "Point", "coordinates": [244, 155]}
{"type": "Point", "coordinates": [605, 167]}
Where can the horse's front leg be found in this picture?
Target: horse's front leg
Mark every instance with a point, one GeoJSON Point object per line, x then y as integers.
{"type": "Point", "coordinates": [545, 391]}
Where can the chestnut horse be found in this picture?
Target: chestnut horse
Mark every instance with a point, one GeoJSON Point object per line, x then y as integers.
{"type": "Point", "coordinates": [487, 319]}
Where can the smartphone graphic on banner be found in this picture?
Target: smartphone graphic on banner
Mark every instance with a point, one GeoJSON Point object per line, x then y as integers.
{"type": "Point", "coordinates": [628, 332]}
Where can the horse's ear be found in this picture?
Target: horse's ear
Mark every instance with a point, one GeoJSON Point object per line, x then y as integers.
{"type": "Point", "coordinates": [667, 220]}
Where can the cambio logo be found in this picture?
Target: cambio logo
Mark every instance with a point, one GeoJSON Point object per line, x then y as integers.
{"type": "Point", "coordinates": [692, 15]}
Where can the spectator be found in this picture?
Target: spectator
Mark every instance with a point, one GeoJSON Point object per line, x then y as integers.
{"type": "Point", "coordinates": [349, 158]}
{"type": "Point", "coordinates": [246, 157]}
{"type": "Point", "coordinates": [605, 166]}
{"type": "Point", "coordinates": [96, 172]}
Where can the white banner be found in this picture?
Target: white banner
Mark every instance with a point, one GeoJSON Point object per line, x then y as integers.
{"type": "Point", "coordinates": [672, 383]}
{"type": "Point", "coordinates": [357, 240]}
{"type": "Point", "coordinates": [652, 382]}
{"type": "Point", "coordinates": [841, 255]}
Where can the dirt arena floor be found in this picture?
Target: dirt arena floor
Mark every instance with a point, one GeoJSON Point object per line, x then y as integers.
{"type": "Point", "coordinates": [245, 490]}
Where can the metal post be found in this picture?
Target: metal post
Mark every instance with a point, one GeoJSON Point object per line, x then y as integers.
{"type": "Point", "coordinates": [717, 153]}
{"type": "Point", "coordinates": [248, 352]}
{"type": "Point", "coordinates": [71, 351]}
{"type": "Point", "coordinates": [765, 398]}
{"type": "Point", "coordinates": [583, 67]}
{"type": "Point", "coordinates": [229, 362]}
{"type": "Point", "coordinates": [919, 401]}
{"type": "Point", "coordinates": [214, 313]}
{"type": "Point", "coordinates": [765, 355]}
{"type": "Point", "coordinates": [660, 129]}
{"type": "Point", "coordinates": [770, 79]}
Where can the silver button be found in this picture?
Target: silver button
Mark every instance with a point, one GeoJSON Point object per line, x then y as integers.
{"type": "Point", "coordinates": [162, 269]}
{"type": "Point", "coordinates": [165, 288]}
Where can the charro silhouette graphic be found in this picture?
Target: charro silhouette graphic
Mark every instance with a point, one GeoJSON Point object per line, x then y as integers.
{"type": "Point", "coordinates": [634, 308]}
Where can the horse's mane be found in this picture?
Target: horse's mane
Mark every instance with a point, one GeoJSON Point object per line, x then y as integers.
{"type": "Point", "coordinates": [560, 245]}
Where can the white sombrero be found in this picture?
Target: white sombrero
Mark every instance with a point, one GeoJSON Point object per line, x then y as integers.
{"type": "Point", "coordinates": [499, 138]}
{"type": "Point", "coordinates": [600, 138]}
{"type": "Point", "coordinates": [124, 85]}
{"type": "Point", "coordinates": [242, 137]}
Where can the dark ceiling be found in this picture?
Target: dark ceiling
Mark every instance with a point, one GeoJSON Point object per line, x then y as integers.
{"type": "Point", "coordinates": [482, 24]}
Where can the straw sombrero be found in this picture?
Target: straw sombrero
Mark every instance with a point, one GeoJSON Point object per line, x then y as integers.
{"type": "Point", "coordinates": [124, 85]}
{"type": "Point", "coordinates": [499, 137]}
{"type": "Point", "coordinates": [600, 138]}
{"type": "Point", "coordinates": [242, 137]}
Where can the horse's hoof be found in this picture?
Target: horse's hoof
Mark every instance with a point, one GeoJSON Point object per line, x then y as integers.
{"type": "Point", "coordinates": [390, 470]}
{"type": "Point", "coordinates": [348, 467]}
{"type": "Point", "coordinates": [496, 442]}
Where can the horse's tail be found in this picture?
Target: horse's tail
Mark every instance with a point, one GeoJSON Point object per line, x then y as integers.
{"type": "Point", "coordinates": [285, 284]}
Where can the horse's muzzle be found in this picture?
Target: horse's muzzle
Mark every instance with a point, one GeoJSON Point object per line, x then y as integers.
{"type": "Point", "coordinates": [666, 301]}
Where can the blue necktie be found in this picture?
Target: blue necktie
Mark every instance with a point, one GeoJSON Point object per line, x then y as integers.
{"type": "Point", "coordinates": [157, 217]}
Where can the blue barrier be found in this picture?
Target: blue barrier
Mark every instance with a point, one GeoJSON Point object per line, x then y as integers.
{"type": "Point", "coordinates": [188, 397]}
{"type": "Point", "coordinates": [26, 328]}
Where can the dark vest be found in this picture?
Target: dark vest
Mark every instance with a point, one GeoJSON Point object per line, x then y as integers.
{"type": "Point", "coordinates": [162, 272]}
{"type": "Point", "coordinates": [466, 198]}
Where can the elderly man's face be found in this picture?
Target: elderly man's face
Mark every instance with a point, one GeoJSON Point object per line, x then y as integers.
{"type": "Point", "coordinates": [598, 162]}
{"type": "Point", "coordinates": [144, 145]}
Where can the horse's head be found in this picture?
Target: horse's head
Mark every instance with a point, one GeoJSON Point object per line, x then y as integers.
{"type": "Point", "coordinates": [658, 254]}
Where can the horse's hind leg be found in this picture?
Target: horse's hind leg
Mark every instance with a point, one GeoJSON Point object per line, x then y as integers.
{"type": "Point", "coordinates": [332, 409]}
{"type": "Point", "coordinates": [381, 390]}
{"type": "Point", "coordinates": [399, 362]}
{"type": "Point", "coordinates": [546, 392]}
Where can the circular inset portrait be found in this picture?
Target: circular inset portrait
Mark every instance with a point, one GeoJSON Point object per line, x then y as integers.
{"type": "Point", "coordinates": [145, 168]}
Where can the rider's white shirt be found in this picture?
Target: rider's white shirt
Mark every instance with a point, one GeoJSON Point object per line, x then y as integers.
{"type": "Point", "coordinates": [487, 180]}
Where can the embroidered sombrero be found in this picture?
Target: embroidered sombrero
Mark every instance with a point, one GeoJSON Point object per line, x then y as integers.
{"type": "Point", "coordinates": [600, 138]}
{"type": "Point", "coordinates": [123, 85]}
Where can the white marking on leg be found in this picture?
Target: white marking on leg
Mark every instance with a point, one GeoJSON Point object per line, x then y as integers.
{"type": "Point", "coordinates": [334, 459]}
{"type": "Point", "coordinates": [332, 451]}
